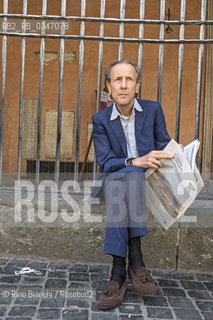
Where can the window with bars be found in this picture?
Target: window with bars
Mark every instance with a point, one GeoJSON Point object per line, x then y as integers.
{"type": "Point", "coordinates": [55, 52]}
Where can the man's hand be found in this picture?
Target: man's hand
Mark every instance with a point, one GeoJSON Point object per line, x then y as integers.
{"type": "Point", "coordinates": [152, 159]}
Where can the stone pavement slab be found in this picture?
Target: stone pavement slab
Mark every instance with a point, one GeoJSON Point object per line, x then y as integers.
{"type": "Point", "coordinates": [67, 290]}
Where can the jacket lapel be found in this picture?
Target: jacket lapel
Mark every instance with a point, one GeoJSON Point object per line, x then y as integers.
{"type": "Point", "coordinates": [119, 133]}
{"type": "Point", "coordinates": [139, 123]}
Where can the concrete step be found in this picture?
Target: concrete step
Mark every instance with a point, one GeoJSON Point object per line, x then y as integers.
{"type": "Point", "coordinates": [52, 233]}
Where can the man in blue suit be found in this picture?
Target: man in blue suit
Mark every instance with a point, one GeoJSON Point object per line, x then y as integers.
{"type": "Point", "coordinates": [129, 137]}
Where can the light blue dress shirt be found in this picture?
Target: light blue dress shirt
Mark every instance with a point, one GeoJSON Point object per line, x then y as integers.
{"type": "Point", "coordinates": [128, 125]}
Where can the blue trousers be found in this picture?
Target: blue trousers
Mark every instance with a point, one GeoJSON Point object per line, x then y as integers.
{"type": "Point", "coordinates": [124, 196]}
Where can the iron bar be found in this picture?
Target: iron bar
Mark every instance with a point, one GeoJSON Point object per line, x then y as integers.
{"type": "Point", "coordinates": [100, 64]}
{"type": "Point", "coordinates": [140, 45]}
{"type": "Point", "coordinates": [21, 95]}
{"type": "Point", "coordinates": [180, 69]}
{"type": "Point", "coordinates": [79, 99]}
{"type": "Point", "coordinates": [60, 95]}
{"type": "Point", "coordinates": [100, 57]}
{"type": "Point", "coordinates": [161, 52]}
{"type": "Point", "coordinates": [200, 71]}
{"type": "Point", "coordinates": [40, 95]}
{"type": "Point", "coordinates": [121, 29]}
{"type": "Point", "coordinates": [3, 80]}
{"type": "Point", "coordinates": [106, 20]}
{"type": "Point", "coordinates": [108, 39]}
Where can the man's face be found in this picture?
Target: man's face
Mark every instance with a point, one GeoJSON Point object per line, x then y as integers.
{"type": "Point", "coordinates": [123, 85]}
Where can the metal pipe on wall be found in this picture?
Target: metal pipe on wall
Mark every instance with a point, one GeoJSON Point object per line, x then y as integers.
{"type": "Point", "coordinates": [3, 81]}
{"type": "Point", "coordinates": [100, 65]}
{"type": "Point", "coordinates": [180, 70]}
{"type": "Point", "coordinates": [161, 52]}
{"type": "Point", "coordinates": [60, 95]}
{"type": "Point", "coordinates": [79, 99]}
{"type": "Point", "coordinates": [121, 29]}
{"type": "Point", "coordinates": [200, 70]}
{"type": "Point", "coordinates": [141, 36]}
{"type": "Point", "coordinates": [100, 56]}
{"type": "Point", "coordinates": [21, 94]}
{"type": "Point", "coordinates": [40, 95]}
{"type": "Point", "coordinates": [107, 20]}
{"type": "Point", "coordinates": [108, 39]}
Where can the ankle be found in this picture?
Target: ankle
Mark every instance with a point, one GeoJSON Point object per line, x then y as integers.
{"type": "Point", "coordinates": [118, 272]}
{"type": "Point", "coordinates": [120, 278]}
{"type": "Point", "coordinates": [134, 265]}
{"type": "Point", "coordinates": [135, 254]}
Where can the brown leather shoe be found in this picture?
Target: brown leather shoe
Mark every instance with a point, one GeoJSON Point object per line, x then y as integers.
{"type": "Point", "coordinates": [112, 296]}
{"type": "Point", "coordinates": [142, 281]}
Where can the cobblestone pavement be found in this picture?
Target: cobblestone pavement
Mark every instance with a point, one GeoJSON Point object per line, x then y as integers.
{"type": "Point", "coordinates": [71, 290]}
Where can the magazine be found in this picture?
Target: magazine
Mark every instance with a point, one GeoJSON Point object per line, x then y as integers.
{"type": "Point", "coordinates": [170, 190]}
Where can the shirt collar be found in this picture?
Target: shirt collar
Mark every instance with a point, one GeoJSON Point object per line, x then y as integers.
{"type": "Point", "coordinates": [116, 113]}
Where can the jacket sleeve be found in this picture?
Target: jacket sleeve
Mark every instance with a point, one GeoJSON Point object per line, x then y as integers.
{"type": "Point", "coordinates": [161, 136]}
{"type": "Point", "coordinates": [106, 158]}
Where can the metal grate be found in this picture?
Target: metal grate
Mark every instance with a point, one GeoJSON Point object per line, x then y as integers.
{"type": "Point", "coordinates": [49, 167]}
{"type": "Point", "coordinates": [27, 20]}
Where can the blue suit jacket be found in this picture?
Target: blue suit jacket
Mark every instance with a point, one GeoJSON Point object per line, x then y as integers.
{"type": "Point", "coordinates": [110, 141]}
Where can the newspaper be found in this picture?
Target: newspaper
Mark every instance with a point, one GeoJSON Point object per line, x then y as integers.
{"type": "Point", "coordinates": [170, 190]}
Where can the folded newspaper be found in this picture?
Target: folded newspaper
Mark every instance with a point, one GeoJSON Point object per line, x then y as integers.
{"type": "Point", "coordinates": [170, 190]}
